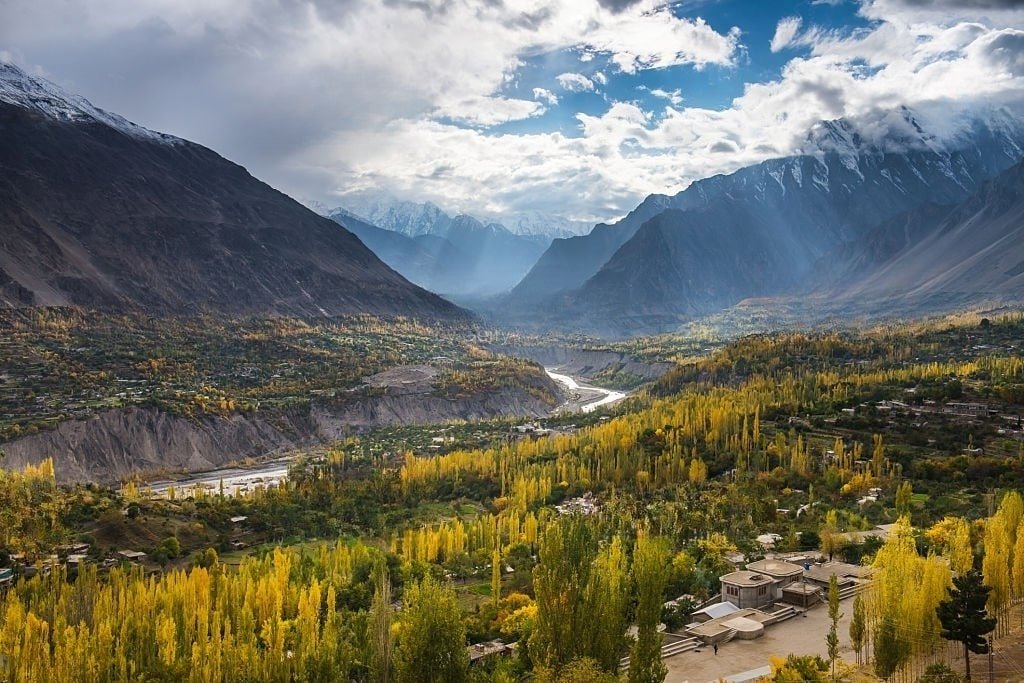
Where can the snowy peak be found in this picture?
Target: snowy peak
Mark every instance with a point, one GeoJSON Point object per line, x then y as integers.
{"type": "Point", "coordinates": [412, 219]}
{"type": "Point", "coordinates": [902, 131]}
{"type": "Point", "coordinates": [898, 130]}
{"type": "Point", "coordinates": [38, 94]}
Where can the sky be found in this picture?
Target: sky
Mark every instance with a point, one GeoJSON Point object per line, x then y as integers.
{"type": "Point", "coordinates": [574, 108]}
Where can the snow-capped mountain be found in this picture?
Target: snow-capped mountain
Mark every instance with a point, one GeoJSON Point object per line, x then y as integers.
{"type": "Point", "coordinates": [38, 94]}
{"type": "Point", "coordinates": [458, 256]}
{"type": "Point", "coordinates": [407, 218]}
{"type": "Point", "coordinates": [760, 230]}
{"type": "Point", "coordinates": [539, 223]}
{"type": "Point", "coordinates": [426, 218]}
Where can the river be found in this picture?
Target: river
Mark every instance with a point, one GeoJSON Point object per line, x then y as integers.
{"type": "Point", "coordinates": [585, 398]}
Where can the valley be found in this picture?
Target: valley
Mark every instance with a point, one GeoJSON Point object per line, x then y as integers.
{"type": "Point", "coordinates": [610, 342]}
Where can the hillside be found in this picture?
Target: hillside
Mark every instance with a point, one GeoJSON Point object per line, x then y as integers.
{"type": "Point", "coordinates": [100, 213]}
{"type": "Point", "coordinates": [953, 256]}
{"type": "Point", "coordinates": [758, 232]}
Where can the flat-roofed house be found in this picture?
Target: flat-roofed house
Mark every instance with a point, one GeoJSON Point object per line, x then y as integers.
{"type": "Point", "coordinates": [847, 575]}
{"type": "Point", "coordinates": [747, 589]}
{"type": "Point", "coordinates": [782, 573]}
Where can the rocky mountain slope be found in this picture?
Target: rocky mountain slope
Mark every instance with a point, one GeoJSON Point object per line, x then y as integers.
{"type": "Point", "coordinates": [429, 261]}
{"type": "Point", "coordinates": [761, 230]}
{"type": "Point", "coordinates": [115, 445]}
{"type": "Point", "coordinates": [101, 213]}
{"type": "Point", "coordinates": [937, 256]}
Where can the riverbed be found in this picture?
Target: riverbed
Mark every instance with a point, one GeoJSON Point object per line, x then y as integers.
{"type": "Point", "coordinates": [583, 398]}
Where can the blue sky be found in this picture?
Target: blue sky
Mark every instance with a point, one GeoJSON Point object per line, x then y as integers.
{"type": "Point", "coordinates": [496, 107]}
{"type": "Point", "coordinates": [712, 87]}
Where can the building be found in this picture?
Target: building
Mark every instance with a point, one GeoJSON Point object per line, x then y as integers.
{"type": "Point", "coordinates": [131, 555]}
{"type": "Point", "coordinates": [803, 594]}
{"type": "Point", "coordinates": [747, 589]}
{"type": "Point", "coordinates": [76, 560]}
{"type": "Point", "coordinates": [482, 651]}
{"type": "Point", "coordinates": [781, 573]}
{"type": "Point", "coordinates": [848, 576]}
{"type": "Point", "coordinates": [716, 611]}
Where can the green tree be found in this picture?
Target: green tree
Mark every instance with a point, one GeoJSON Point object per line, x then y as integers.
{"type": "Point", "coordinates": [890, 650]}
{"type": "Point", "coordinates": [939, 673]}
{"type": "Point", "coordinates": [904, 496]}
{"type": "Point", "coordinates": [432, 639]}
{"type": "Point", "coordinates": [832, 638]}
{"type": "Point", "coordinates": [964, 618]}
{"type": "Point", "coordinates": [607, 600]}
{"type": "Point", "coordinates": [858, 627]}
{"type": "Point", "coordinates": [583, 670]}
{"type": "Point", "coordinates": [650, 573]}
{"type": "Point", "coordinates": [381, 642]}
{"type": "Point", "coordinates": [560, 580]}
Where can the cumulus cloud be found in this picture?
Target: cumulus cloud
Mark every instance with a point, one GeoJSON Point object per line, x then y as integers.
{"type": "Point", "coordinates": [268, 82]}
{"type": "Point", "coordinates": [600, 78]}
{"type": "Point", "coordinates": [785, 31]}
{"type": "Point", "coordinates": [324, 98]}
{"type": "Point", "coordinates": [489, 111]}
{"type": "Point", "coordinates": [574, 82]}
{"type": "Point", "coordinates": [545, 95]}
{"type": "Point", "coordinates": [1003, 50]}
{"type": "Point", "coordinates": [673, 96]}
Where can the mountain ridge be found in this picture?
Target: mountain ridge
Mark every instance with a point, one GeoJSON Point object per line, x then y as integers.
{"type": "Point", "coordinates": [829, 147]}
{"type": "Point", "coordinates": [795, 209]}
{"type": "Point", "coordinates": [101, 213]}
{"type": "Point", "coordinates": [457, 256]}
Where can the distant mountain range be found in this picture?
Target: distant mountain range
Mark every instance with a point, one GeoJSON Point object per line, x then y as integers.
{"type": "Point", "coordinates": [411, 218]}
{"type": "Point", "coordinates": [457, 256]}
{"type": "Point", "coordinates": [766, 229]}
{"type": "Point", "coordinates": [99, 212]}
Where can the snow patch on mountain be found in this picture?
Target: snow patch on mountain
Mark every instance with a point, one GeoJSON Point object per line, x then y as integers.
{"type": "Point", "coordinates": [38, 94]}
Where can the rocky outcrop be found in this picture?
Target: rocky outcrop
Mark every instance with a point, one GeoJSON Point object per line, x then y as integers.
{"type": "Point", "coordinates": [116, 444]}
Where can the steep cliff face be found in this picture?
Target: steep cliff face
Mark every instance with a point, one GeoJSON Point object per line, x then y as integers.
{"type": "Point", "coordinates": [116, 444]}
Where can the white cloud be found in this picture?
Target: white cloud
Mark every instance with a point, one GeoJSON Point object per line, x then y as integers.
{"type": "Point", "coordinates": [600, 78]}
{"type": "Point", "coordinates": [785, 31]}
{"type": "Point", "coordinates": [488, 111]}
{"type": "Point", "coordinates": [545, 95]}
{"type": "Point", "coordinates": [574, 82]}
{"type": "Point", "coordinates": [626, 153]}
{"type": "Point", "coordinates": [674, 96]}
{"type": "Point", "coordinates": [365, 92]}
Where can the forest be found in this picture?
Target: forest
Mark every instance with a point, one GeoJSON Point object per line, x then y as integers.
{"type": "Point", "coordinates": [380, 559]}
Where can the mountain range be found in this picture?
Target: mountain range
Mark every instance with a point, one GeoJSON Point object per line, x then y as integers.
{"type": "Point", "coordinates": [764, 230]}
{"type": "Point", "coordinates": [102, 213]}
{"type": "Point", "coordinates": [458, 256]}
{"type": "Point", "coordinates": [872, 215]}
{"type": "Point", "coordinates": [416, 218]}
